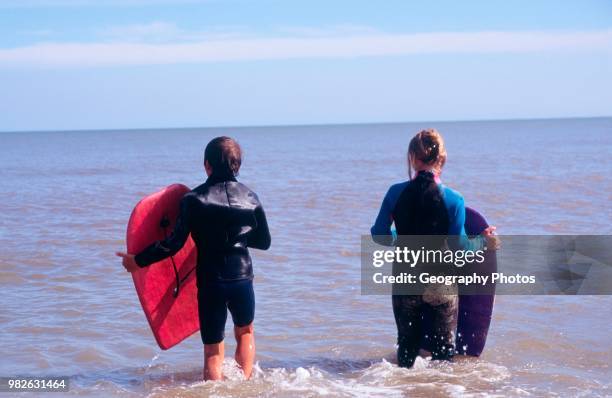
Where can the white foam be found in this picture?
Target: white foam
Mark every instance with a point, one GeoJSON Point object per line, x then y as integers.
{"type": "Point", "coordinates": [381, 378]}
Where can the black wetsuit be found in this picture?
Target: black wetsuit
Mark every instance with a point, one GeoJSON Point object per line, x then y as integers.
{"type": "Point", "coordinates": [224, 218]}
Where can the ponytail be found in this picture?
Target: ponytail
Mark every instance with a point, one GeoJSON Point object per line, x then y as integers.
{"type": "Point", "coordinates": [420, 209]}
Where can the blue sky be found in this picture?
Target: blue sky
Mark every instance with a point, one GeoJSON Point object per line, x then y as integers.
{"type": "Point", "coordinates": [85, 64]}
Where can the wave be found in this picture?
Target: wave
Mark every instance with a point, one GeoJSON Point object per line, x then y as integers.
{"type": "Point", "coordinates": [315, 378]}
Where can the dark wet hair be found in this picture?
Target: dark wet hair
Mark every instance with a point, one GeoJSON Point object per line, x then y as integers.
{"type": "Point", "coordinates": [420, 209]}
{"type": "Point", "coordinates": [224, 155]}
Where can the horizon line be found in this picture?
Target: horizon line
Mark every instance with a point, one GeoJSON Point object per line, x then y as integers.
{"type": "Point", "coordinates": [519, 119]}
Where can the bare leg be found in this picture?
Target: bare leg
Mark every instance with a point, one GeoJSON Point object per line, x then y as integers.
{"type": "Point", "coordinates": [245, 349]}
{"type": "Point", "coordinates": [213, 361]}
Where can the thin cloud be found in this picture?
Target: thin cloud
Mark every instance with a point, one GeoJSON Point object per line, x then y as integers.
{"type": "Point", "coordinates": [328, 31]}
{"type": "Point", "coordinates": [251, 49]}
{"type": "Point", "coordinates": [154, 31]}
{"type": "Point", "coordinates": [167, 32]}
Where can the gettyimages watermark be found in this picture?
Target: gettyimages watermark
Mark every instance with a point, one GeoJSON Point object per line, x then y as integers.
{"type": "Point", "coordinates": [523, 265]}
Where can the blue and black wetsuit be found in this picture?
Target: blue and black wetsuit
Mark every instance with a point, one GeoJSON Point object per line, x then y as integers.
{"type": "Point", "coordinates": [224, 218]}
{"type": "Point", "coordinates": [423, 206]}
{"type": "Point", "coordinates": [455, 207]}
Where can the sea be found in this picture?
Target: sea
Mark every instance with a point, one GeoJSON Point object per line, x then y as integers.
{"type": "Point", "coordinates": [69, 309]}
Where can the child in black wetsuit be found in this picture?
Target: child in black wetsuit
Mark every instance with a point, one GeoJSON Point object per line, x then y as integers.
{"type": "Point", "coordinates": [224, 218]}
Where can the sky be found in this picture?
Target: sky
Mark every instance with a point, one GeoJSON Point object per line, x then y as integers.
{"type": "Point", "coordinates": [112, 64]}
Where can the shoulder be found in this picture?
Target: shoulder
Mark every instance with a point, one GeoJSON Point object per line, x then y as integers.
{"type": "Point", "coordinates": [192, 195]}
{"type": "Point", "coordinates": [198, 190]}
{"type": "Point", "coordinates": [452, 198]}
{"type": "Point", "coordinates": [395, 190]}
{"type": "Point", "coordinates": [246, 194]}
{"type": "Point", "coordinates": [189, 197]}
{"type": "Point", "coordinates": [242, 188]}
{"type": "Point", "coordinates": [393, 194]}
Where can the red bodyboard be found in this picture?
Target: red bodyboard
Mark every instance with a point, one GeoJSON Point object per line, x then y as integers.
{"type": "Point", "coordinates": [172, 319]}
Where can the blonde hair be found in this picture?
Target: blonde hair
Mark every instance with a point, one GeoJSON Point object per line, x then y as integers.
{"type": "Point", "coordinates": [428, 147]}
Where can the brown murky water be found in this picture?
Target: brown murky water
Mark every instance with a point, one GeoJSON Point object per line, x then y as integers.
{"type": "Point", "coordinates": [68, 308]}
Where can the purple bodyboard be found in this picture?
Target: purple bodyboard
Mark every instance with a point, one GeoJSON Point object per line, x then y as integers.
{"type": "Point", "coordinates": [475, 311]}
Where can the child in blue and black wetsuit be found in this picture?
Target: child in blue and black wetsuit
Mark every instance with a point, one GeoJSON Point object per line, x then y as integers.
{"type": "Point", "coordinates": [225, 219]}
{"type": "Point", "coordinates": [424, 206]}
